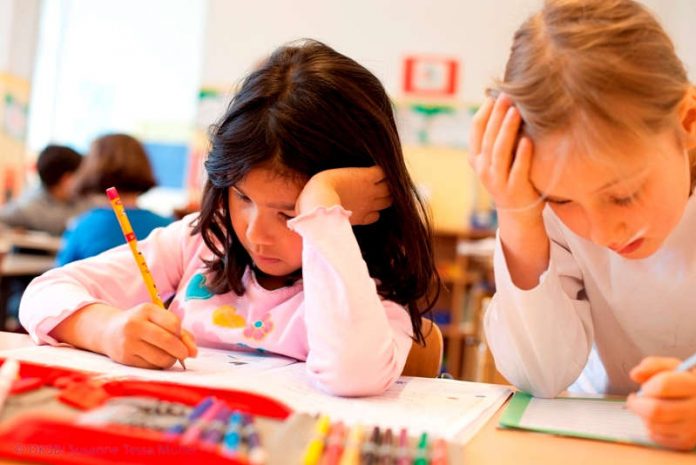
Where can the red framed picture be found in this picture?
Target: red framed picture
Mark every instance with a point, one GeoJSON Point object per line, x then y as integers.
{"type": "Point", "coordinates": [426, 75]}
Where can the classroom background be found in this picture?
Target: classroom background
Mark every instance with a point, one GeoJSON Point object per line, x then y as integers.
{"type": "Point", "coordinates": [164, 70]}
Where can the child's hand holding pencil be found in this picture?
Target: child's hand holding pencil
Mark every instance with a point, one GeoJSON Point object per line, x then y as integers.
{"type": "Point", "coordinates": [667, 400]}
{"type": "Point", "coordinates": [152, 335]}
{"type": "Point", "coordinates": [147, 336]}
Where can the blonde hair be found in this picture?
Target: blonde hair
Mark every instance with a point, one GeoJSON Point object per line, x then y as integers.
{"type": "Point", "coordinates": [592, 65]}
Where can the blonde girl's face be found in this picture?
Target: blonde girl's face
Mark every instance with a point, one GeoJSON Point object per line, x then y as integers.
{"type": "Point", "coordinates": [259, 207]}
{"type": "Point", "coordinates": [628, 201]}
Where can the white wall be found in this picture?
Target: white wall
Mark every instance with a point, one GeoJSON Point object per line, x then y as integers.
{"type": "Point", "coordinates": [6, 13]}
{"type": "Point", "coordinates": [677, 17]}
{"type": "Point", "coordinates": [378, 33]}
{"type": "Point", "coordinates": [18, 32]}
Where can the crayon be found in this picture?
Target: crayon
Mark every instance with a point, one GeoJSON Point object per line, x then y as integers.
{"type": "Point", "coordinates": [212, 436]}
{"type": "Point", "coordinates": [196, 428]}
{"type": "Point", "coordinates": [403, 455]}
{"type": "Point", "coordinates": [315, 448]}
{"type": "Point", "coordinates": [351, 452]}
{"type": "Point", "coordinates": [334, 444]}
{"type": "Point", "coordinates": [257, 455]}
{"type": "Point", "coordinates": [439, 452]}
{"type": "Point", "coordinates": [193, 416]}
{"type": "Point", "coordinates": [232, 441]}
{"type": "Point", "coordinates": [371, 447]}
{"type": "Point", "coordinates": [386, 452]}
{"type": "Point", "coordinates": [421, 457]}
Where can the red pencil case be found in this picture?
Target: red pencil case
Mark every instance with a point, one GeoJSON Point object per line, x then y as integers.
{"type": "Point", "coordinates": [32, 437]}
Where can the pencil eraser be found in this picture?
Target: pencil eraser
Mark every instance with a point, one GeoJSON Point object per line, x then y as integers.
{"type": "Point", "coordinates": [112, 193]}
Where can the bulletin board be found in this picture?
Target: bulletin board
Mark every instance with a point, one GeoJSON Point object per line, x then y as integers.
{"type": "Point", "coordinates": [14, 108]}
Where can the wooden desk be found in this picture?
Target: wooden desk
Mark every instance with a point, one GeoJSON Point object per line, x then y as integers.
{"type": "Point", "coordinates": [492, 446]}
{"type": "Point", "coordinates": [20, 264]}
{"type": "Point", "coordinates": [34, 240]}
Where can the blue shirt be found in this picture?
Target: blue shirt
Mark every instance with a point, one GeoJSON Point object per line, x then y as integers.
{"type": "Point", "coordinates": [98, 230]}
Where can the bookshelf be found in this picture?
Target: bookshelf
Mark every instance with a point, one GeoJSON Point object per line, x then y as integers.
{"type": "Point", "coordinates": [467, 281]}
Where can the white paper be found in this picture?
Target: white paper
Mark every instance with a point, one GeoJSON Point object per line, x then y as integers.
{"type": "Point", "coordinates": [454, 410]}
{"type": "Point", "coordinates": [602, 418]}
{"type": "Point", "coordinates": [211, 368]}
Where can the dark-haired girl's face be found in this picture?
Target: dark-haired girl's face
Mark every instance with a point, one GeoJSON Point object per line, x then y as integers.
{"type": "Point", "coordinates": [260, 206]}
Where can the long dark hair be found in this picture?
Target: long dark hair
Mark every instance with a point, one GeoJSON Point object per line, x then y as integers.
{"type": "Point", "coordinates": [306, 109]}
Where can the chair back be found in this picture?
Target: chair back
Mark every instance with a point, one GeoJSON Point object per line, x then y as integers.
{"type": "Point", "coordinates": [425, 361]}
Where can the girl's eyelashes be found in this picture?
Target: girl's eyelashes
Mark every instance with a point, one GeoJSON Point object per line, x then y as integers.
{"type": "Point", "coordinates": [557, 201]}
{"type": "Point", "coordinates": [239, 195]}
{"type": "Point", "coordinates": [623, 201]}
{"type": "Point", "coordinates": [286, 216]}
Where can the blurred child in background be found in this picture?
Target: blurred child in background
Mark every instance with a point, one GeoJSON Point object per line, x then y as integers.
{"type": "Point", "coordinates": [120, 161]}
{"type": "Point", "coordinates": [49, 206]}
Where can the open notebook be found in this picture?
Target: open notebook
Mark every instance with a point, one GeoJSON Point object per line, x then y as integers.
{"type": "Point", "coordinates": [591, 418]}
{"type": "Point", "coordinates": [454, 410]}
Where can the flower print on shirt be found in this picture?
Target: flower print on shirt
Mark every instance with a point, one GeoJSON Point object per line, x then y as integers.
{"type": "Point", "coordinates": [259, 328]}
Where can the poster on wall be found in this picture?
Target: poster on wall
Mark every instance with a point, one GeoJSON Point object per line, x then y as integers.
{"type": "Point", "coordinates": [430, 76]}
{"type": "Point", "coordinates": [15, 117]}
{"type": "Point", "coordinates": [14, 98]}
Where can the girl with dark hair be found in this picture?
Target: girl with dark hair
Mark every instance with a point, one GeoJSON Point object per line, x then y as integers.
{"type": "Point", "coordinates": [311, 241]}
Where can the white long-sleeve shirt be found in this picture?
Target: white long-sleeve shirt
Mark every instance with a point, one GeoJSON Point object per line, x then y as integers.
{"type": "Point", "coordinates": [354, 342]}
{"type": "Point", "coordinates": [593, 303]}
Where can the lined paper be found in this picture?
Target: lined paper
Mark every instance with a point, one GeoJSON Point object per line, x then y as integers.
{"type": "Point", "coordinates": [601, 419]}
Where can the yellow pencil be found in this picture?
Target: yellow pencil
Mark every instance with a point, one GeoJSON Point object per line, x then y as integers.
{"type": "Point", "coordinates": [132, 241]}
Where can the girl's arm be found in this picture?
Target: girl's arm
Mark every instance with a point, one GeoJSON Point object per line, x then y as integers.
{"type": "Point", "coordinates": [538, 325]}
{"type": "Point", "coordinates": [541, 337]}
{"type": "Point", "coordinates": [111, 278]}
{"type": "Point", "coordinates": [358, 344]}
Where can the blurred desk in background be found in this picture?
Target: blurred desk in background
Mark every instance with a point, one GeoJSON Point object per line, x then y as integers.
{"type": "Point", "coordinates": [34, 240]}
{"type": "Point", "coordinates": [30, 254]}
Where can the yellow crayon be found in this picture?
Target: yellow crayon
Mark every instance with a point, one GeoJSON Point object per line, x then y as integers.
{"type": "Point", "coordinates": [351, 453]}
{"type": "Point", "coordinates": [315, 448]}
{"type": "Point", "coordinates": [132, 241]}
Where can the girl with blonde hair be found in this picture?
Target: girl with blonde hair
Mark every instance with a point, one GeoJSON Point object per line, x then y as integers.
{"type": "Point", "coordinates": [588, 151]}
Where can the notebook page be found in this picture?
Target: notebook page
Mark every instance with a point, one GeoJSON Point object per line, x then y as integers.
{"type": "Point", "coordinates": [212, 367]}
{"type": "Point", "coordinates": [454, 410]}
{"type": "Point", "coordinates": [588, 417]}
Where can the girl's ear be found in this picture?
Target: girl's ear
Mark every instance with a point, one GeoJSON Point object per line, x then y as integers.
{"type": "Point", "coordinates": [687, 117]}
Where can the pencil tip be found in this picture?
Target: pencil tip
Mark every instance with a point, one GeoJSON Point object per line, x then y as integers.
{"type": "Point", "coordinates": [182, 364]}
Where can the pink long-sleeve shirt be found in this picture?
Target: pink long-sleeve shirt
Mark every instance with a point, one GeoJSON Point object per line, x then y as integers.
{"type": "Point", "coordinates": [354, 343]}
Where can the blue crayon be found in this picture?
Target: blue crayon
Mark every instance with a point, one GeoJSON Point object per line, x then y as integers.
{"type": "Point", "coordinates": [193, 416]}
{"type": "Point", "coordinates": [232, 441]}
